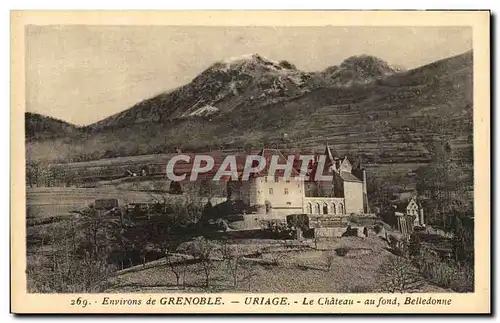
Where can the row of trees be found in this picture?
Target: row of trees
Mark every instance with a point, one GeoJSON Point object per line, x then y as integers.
{"type": "Point", "coordinates": [415, 262]}
{"type": "Point", "coordinates": [70, 256]}
{"type": "Point", "coordinates": [83, 256]}
{"type": "Point", "coordinates": [445, 186]}
{"type": "Point", "coordinates": [210, 256]}
{"type": "Point", "coordinates": [103, 244]}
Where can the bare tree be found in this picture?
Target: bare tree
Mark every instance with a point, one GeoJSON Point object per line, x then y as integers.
{"type": "Point", "coordinates": [67, 268]}
{"type": "Point", "coordinates": [174, 267]}
{"type": "Point", "coordinates": [278, 258]}
{"type": "Point", "coordinates": [173, 263]}
{"type": "Point", "coordinates": [232, 258]}
{"type": "Point", "coordinates": [249, 272]}
{"type": "Point", "coordinates": [204, 250]}
{"type": "Point", "coordinates": [329, 257]}
{"type": "Point", "coordinates": [398, 275]}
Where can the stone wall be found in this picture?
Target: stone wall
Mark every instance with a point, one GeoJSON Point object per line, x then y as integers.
{"type": "Point", "coordinates": [337, 232]}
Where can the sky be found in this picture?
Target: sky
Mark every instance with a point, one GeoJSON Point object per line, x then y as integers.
{"type": "Point", "coordinates": [82, 73]}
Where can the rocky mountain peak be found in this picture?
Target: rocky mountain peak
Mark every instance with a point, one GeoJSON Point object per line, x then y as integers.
{"type": "Point", "coordinates": [371, 65]}
{"type": "Point", "coordinates": [357, 70]}
{"type": "Point", "coordinates": [252, 64]}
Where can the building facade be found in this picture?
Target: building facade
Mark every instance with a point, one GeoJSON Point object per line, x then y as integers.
{"type": "Point", "coordinates": [277, 197]}
{"type": "Point", "coordinates": [416, 211]}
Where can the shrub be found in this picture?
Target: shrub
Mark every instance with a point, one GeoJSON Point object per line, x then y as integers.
{"type": "Point", "coordinates": [354, 219]}
{"type": "Point", "coordinates": [329, 258]}
{"type": "Point", "coordinates": [414, 245]}
{"type": "Point", "coordinates": [278, 258]}
{"type": "Point", "coordinates": [277, 228]}
{"type": "Point", "coordinates": [447, 274]}
{"type": "Point", "coordinates": [67, 273]}
{"type": "Point", "coordinates": [341, 251]}
{"type": "Point", "coordinates": [398, 275]}
{"type": "Point", "coordinates": [298, 221]}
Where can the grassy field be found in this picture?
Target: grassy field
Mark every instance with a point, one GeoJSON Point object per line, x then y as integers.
{"type": "Point", "coordinates": [54, 201]}
{"type": "Point", "coordinates": [291, 272]}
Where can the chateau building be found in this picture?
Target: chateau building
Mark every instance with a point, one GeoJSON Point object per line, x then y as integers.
{"type": "Point", "coordinates": [278, 197]}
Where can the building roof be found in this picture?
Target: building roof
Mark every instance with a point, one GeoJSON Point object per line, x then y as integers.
{"type": "Point", "coordinates": [182, 167]}
{"type": "Point", "coordinates": [401, 205]}
{"type": "Point", "coordinates": [349, 177]}
{"type": "Point", "coordinates": [332, 154]}
{"type": "Point", "coordinates": [282, 160]}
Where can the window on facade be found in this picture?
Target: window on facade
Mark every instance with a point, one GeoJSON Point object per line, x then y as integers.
{"type": "Point", "coordinates": [288, 181]}
{"type": "Point", "coordinates": [265, 179]}
{"type": "Point", "coordinates": [270, 191]}
{"type": "Point", "coordinates": [288, 203]}
{"type": "Point", "coordinates": [309, 208]}
{"type": "Point", "coordinates": [276, 178]}
{"type": "Point", "coordinates": [325, 209]}
{"type": "Point", "coordinates": [286, 191]}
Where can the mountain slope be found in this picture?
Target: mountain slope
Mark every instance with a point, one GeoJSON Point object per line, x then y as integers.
{"type": "Point", "coordinates": [391, 119]}
{"type": "Point", "coordinates": [224, 86]}
{"type": "Point", "coordinates": [248, 81]}
{"type": "Point", "coordinates": [39, 127]}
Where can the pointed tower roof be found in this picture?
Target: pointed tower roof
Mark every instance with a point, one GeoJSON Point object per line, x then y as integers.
{"type": "Point", "coordinates": [328, 151]}
{"type": "Point", "coordinates": [331, 155]}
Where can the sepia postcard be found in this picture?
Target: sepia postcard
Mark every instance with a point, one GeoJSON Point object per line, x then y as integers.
{"type": "Point", "coordinates": [250, 162]}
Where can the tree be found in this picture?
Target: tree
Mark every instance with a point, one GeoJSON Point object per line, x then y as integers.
{"type": "Point", "coordinates": [99, 231]}
{"type": "Point", "coordinates": [208, 188]}
{"type": "Point", "coordinates": [173, 263]}
{"type": "Point", "coordinates": [380, 191]}
{"type": "Point", "coordinates": [463, 241]}
{"type": "Point", "coordinates": [69, 267]}
{"type": "Point", "coordinates": [249, 272]}
{"type": "Point", "coordinates": [145, 249]}
{"type": "Point", "coordinates": [33, 172]}
{"type": "Point", "coordinates": [204, 251]}
{"type": "Point", "coordinates": [442, 184]}
{"type": "Point", "coordinates": [232, 257]}
{"type": "Point", "coordinates": [329, 257]}
{"type": "Point", "coordinates": [175, 188]}
{"type": "Point", "coordinates": [398, 275]}
{"type": "Point", "coordinates": [174, 268]}
{"type": "Point", "coordinates": [414, 245]}
{"type": "Point", "coordinates": [54, 175]}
